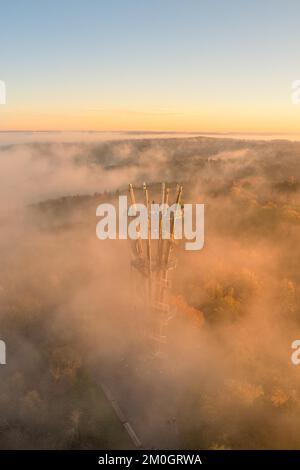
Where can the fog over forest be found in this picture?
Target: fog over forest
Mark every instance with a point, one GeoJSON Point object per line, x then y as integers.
{"type": "Point", "coordinates": [66, 301]}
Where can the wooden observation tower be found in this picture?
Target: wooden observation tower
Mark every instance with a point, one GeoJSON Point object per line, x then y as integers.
{"type": "Point", "coordinates": [152, 259]}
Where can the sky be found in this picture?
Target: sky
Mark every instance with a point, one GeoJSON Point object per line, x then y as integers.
{"type": "Point", "coordinates": [150, 65]}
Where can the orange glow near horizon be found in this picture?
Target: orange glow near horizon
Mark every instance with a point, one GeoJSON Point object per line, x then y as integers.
{"type": "Point", "coordinates": [261, 117]}
{"type": "Point", "coordinates": [213, 119]}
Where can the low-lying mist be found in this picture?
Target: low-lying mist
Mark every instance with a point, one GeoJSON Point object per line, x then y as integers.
{"type": "Point", "coordinates": [70, 319]}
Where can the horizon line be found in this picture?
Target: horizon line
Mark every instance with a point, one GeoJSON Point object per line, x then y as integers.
{"type": "Point", "coordinates": [146, 132]}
